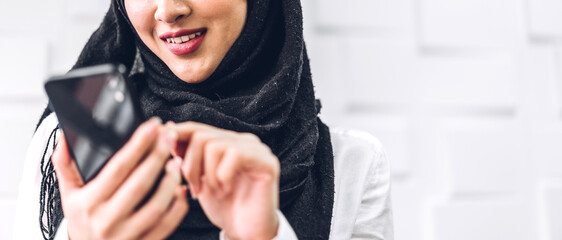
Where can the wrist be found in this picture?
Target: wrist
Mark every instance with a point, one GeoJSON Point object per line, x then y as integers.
{"type": "Point", "coordinates": [273, 228]}
{"type": "Point", "coordinates": [269, 231]}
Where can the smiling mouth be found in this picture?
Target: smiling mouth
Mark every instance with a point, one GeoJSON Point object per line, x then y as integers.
{"type": "Point", "coordinates": [179, 38]}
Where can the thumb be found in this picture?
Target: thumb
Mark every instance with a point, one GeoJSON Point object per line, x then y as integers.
{"type": "Point", "coordinates": [67, 172]}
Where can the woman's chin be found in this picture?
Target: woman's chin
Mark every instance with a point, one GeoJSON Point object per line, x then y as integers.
{"type": "Point", "coordinates": [192, 81]}
{"type": "Point", "coordinates": [191, 77]}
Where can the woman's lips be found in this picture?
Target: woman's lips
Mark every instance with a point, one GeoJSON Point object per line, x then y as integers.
{"type": "Point", "coordinates": [178, 44]}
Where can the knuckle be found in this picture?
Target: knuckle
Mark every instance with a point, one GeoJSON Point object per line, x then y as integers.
{"type": "Point", "coordinates": [89, 210]}
{"type": "Point", "coordinates": [234, 153]}
{"type": "Point", "coordinates": [223, 176]}
{"type": "Point", "coordinates": [145, 131]}
{"type": "Point", "coordinates": [156, 209]}
{"type": "Point", "coordinates": [206, 137]}
{"type": "Point", "coordinates": [211, 180]}
{"type": "Point", "coordinates": [276, 169]}
{"type": "Point", "coordinates": [101, 227]}
{"type": "Point", "coordinates": [272, 161]}
{"type": "Point", "coordinates": [160, 152]}
{"type": "Point", "coordinates": [162, 148]}
{"type": "Point", "coordinates": [250, 137]}
{"type": "Point", "coordinates": [119, 167]}
{"type": "Point", "coordinates": [141, 186]}
{"type": "Point", "coordinates": [211, 147]}
{"type": "Point", "coordinates": [84, 205]}
{"type": "Point", "coordinates": [197, 136]}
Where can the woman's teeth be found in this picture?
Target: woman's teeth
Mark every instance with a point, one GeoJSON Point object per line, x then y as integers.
{"type": "Point", "coordinates": [183, 39]}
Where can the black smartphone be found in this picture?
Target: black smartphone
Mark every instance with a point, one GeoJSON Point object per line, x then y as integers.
{"type": "Point", "coordinates": [97, 111]}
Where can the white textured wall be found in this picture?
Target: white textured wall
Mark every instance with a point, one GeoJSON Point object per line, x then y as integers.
{"type": "Point", "coordinates": [466, 95]}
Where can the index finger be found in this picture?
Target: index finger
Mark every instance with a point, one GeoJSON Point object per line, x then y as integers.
{"type": "Point", "coordinates": [126, 159]}
{"type": "Point", "coordinates": [65, 168]}
{"type": "Point", "coordinates": [186, 130]}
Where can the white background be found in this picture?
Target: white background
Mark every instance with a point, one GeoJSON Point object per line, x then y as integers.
{"type": "Point", "coordinates": [466, 95]}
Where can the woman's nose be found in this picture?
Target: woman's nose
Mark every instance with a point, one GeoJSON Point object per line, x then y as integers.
{"type": "Point", "coordinates": [171, 11]}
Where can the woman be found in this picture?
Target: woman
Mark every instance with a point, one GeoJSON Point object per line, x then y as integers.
{"type": "Point", "coordinates": [231, 78]}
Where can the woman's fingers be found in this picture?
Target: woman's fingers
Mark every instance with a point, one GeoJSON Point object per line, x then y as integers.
{"type": "Point", "coordinates": [195, 136]}
{"type": "Point", "coordinates": [126, 159]}
{"type": "Point", "coordinates": [198, 160]}
{"type": "Point", "coordinates": [226, 171]}
{"type": "Point", "coordinates": [142, 179]}
{"type": "Point", "coordinates": [258, 159]}
{"type": "Point", "coordinates": [160, 201]}
{"type": "Point", "coordinates": [206, 149]}
{"type": "Point", "coordinates": [195, 159]}
{"type": "Point", "coordinates": [187, 129]}
{"type": "Point", "coordinates": [66, 169]}
{"type": "Point", "coordinates": [213, 153]}
{"type": "Point", "coordinates": [171, 218]}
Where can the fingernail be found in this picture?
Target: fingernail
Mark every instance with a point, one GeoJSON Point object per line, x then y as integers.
{"type": "Point", "coordinates": [172, 166]}
{"type": "Point", "coordinates": [156, 119]}
{"type": "Point", "coordinates": [178, 160]}
{"type": "Point", "coordinates": [193, 195]}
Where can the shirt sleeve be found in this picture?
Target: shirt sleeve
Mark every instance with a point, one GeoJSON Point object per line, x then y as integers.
{"type": "Point", "coordinates": [62, 231]}
{"type": "Point", "coordinates": [26, 224]}
{"type": "Point", "coordinates": [374, 217]}
{"type": "Point", "coordinates": [284, 232]}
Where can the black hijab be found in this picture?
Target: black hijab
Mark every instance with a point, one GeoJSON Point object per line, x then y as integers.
{"type": "Point", "coordinates": [262, 86]}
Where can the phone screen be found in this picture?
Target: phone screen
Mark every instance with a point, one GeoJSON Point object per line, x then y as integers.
{"type": "Point", "coordinates": [97, 115]}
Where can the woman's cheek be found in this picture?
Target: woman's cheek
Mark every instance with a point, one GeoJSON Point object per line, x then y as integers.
{"type": "Point", "coordinates": [139, 13]}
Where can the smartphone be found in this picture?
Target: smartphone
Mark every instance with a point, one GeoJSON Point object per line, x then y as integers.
{"type": "Point", "coordinates": [97, 111]}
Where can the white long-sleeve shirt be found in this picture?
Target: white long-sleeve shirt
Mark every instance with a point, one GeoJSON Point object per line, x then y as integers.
{"type": "Point", "coordinates": [362, 208]}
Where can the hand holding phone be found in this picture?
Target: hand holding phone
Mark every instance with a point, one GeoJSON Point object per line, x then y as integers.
{"type": "Point", "coordinates": [97, 111]}
{"type": "Point", "coordinates": [106, 207]}
{"type": "Point", "coordinates": [127, 195]}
